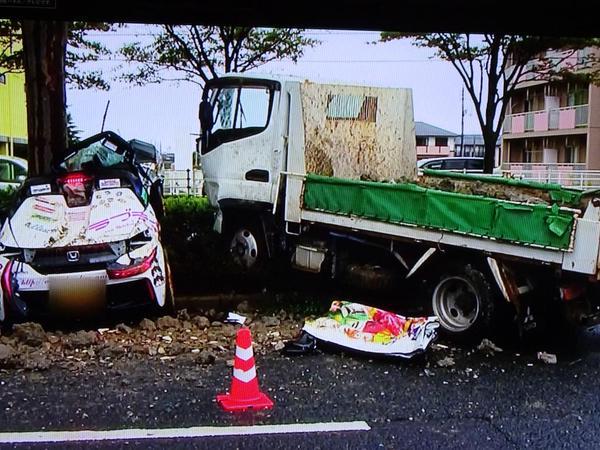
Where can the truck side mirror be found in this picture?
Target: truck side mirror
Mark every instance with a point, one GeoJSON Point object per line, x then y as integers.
{"type": "Point", "coordinates": [205, 115]}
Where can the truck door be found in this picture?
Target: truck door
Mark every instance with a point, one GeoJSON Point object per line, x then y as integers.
{"type": "Point", "coordinates": [239, 151]}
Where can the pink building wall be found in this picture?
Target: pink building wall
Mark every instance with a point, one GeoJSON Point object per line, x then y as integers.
{"type": "Point", "coordinates": [540, 121]}
{"type": "Point", "coordinates": [518, 124]}
{"type": "Point", "coordinates": [566, 119]}
{"type": "Point", "coordinates": [593, 136]}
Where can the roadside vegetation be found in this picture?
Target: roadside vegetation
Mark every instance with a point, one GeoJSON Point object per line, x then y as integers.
{"type": "Point", "coordinates": [193, 249]}
{"type": "Point", "coordinates": [6, 197]}
{"type": "Point", "coordinates": [200, 266]}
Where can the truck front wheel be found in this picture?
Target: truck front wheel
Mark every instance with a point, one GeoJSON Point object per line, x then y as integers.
{"type": "Point", "coordinates": [463, 300]}
{"type": "Point", "coordinates": [246, 246]}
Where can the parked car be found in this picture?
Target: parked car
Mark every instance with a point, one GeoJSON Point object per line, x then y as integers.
{"type": "Point", "coordinates": [85, 239]}
{"type": "Point", "coordinates": [467, 164]}
{"type": "Point", "coordinates": [13, 171]}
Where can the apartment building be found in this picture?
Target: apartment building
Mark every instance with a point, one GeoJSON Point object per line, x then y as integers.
{"type": "Point", "coordinates": [433, 141]}
{"type": "Point", "coordinates": [553, 126]}
{"type": "Point", "coordinates": [13, 115]}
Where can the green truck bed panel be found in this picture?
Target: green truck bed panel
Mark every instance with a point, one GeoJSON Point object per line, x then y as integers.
{"type": "Point", "coordinates": [409, 203]}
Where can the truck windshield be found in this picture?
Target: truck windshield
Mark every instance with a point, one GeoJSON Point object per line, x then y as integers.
{"type": "Point", "coordinates": [238, 112]}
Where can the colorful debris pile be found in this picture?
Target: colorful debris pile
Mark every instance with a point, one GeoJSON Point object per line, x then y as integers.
{"type": "Point", "coordinates": [371, 330]}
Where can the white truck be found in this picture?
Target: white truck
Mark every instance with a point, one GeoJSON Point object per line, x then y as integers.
{"type": "Point", "coordinates": [324, 176]}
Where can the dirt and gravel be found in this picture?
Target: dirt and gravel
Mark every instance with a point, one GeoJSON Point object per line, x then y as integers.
{"type": "Point", "coordinates": [202, 337]}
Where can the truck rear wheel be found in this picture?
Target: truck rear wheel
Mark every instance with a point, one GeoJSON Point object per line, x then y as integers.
{"type": "Point", "coordinates": [464, 301]}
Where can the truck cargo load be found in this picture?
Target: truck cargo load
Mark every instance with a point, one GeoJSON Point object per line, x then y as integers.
{"type": "Point", "coordinates": [358, 131]}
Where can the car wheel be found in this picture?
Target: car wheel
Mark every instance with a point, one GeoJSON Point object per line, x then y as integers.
{"type": "Point", "coordinates": [464, 302]}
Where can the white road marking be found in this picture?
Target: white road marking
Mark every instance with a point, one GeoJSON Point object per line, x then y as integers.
{"type": "Point", "coordinates": [173, 433]}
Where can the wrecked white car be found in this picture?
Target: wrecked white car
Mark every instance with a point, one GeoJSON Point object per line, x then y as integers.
{"type": "Point", "coordinates": [86, 238]}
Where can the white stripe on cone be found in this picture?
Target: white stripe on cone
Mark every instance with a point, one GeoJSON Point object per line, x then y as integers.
{"type": "Point", "coordinates": [245, 375]}
{"type": "Point", "coordinates": [244, 353]}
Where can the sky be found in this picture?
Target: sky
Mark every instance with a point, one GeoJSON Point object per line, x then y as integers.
{"type": "Point", "coordinates": [166, 114]}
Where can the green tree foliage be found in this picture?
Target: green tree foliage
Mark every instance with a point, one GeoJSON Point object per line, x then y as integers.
{"type": "Point", "coordinates": [492, 65]}
{"type": "Point", "coordinates": [200, 53]}
{"type": "Point", "coordinates": [81, 49]}
{"type": "Point", "coordinates": [72, 131]}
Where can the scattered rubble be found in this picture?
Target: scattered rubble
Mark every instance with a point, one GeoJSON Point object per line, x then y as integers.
{"type": "Point", "coordinates": [446, 362]}
{"type": "Point", "coordinates": [147, 324]}
{"type": "Point", "coordinates": [166, 322]}
{"type": "Point", "coordinates": [548, 358]}
{"type": "Point", "coordinates": [81, 339]}
{"type": "Point", "coordinates": [271, 321]}
{"type": "Point", "coordinates": [488, 347]}
{"type": "Point", "coordinates": [30, 333]}
{"type": "Point", "coordinates": [201, 322]}
{"type": "Point", "coordinates": [124, 328]}
{"type": "Point", "coordinates": [6, 353]}
{"type": "Point", "coordinates": [191, 336]}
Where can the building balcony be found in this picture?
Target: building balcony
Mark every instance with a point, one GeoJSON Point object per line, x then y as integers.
{"type": "Point", "coordinates": [432, 151]}
{"type": "Point", "coordinates": [569, 118]}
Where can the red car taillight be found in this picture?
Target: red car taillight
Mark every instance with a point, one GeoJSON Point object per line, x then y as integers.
{"type": "Point", "coordinates": [135, 269]}
{"type": "Point", "coordinates": [6, 280]}
{"type": "Point", "coordinates": [76, 187]}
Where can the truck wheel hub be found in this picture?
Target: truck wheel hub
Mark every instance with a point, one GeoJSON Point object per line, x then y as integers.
{"type": "Point", "coordinates": [244, 248]}
{"type": "Point", "coordinates": [456, 303]}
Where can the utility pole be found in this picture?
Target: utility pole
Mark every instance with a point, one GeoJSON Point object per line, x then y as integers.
{"type": "Point", "coordinates": [104, 116]}
{"type": "Point", "coordinates": [462, 123]}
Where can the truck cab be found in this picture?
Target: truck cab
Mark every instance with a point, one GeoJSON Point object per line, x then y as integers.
{"type": "Point", "coordinates": [241, 117]}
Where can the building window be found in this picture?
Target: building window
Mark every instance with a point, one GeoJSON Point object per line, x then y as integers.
{"type": "Point", "coordinates": [577, 95]}
{"type": "Point", "coordinates": [2, 78]}
{"type": "Point", "coordinates": [571, 155]}
{"type": "Point", "coordinates": [533, 156]}
{"type": "Point", "coordinates": [441, 142]}
{"type": "Point", "coordinates": [421, 141]}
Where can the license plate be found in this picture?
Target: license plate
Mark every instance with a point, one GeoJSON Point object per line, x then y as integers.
{"type": "Point", "coordinates": [79, 293]}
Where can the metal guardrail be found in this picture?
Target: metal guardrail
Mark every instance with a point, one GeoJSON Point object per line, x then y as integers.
{"type": "Point", "coordinates": [578, 179]}
{"type": "Point", "coordinates": [541, 166]}
{"type": "Point", "coordinates": [182, 182]}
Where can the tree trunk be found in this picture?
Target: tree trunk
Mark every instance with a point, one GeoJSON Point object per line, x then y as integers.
{"type": "Point", "coordinates": [489, 157]}
{"type": "Point", "coordinates": [44, 47]}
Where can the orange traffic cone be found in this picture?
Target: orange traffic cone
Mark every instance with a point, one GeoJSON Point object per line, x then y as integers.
{"type": "Point", "coordinates": [244, 393]}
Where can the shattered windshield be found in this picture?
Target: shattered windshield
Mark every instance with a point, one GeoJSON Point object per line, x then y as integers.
{"type": "Point", "coordinates": [240, 107]}
{"type": "Point", "coordinates": [99, 154]}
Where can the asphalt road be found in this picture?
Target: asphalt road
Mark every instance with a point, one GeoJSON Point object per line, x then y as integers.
{"type": "Point", "coordinates": [504, 400]}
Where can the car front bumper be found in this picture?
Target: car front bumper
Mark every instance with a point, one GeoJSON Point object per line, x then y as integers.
{"type": "Point", "coordinates": [26, 293]}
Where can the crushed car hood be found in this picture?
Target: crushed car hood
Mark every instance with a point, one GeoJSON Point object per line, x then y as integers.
{"type": "Point", "coordinates": [45, 221]}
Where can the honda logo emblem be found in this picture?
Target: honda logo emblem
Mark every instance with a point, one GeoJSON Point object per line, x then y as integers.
{"type": "Point", "coordinates": [73, 256]}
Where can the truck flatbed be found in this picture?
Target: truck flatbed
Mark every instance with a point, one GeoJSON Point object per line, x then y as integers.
{"type": "Point", "coordinates": [537, 231]}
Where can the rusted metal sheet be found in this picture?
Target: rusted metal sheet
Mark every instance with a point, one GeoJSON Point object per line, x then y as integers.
{"type": "Point", "coordinates": [358, 132]}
